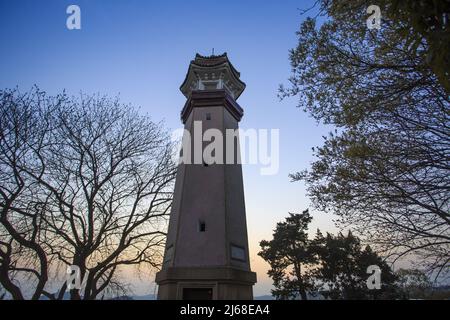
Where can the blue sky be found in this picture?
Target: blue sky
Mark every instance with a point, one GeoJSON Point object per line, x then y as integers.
{"type": "Point", "coordinates": [142, 49]}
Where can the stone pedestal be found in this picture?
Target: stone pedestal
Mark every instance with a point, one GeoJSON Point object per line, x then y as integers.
{"type": "Point", "coordinates": [224, 283]}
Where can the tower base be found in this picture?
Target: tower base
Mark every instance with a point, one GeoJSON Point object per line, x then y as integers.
{"type": "Point", "coordinates": [205, 283]}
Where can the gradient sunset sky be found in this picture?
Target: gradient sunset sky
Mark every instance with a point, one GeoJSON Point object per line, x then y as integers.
{"type": "Point", "coordinates": [142, 49]}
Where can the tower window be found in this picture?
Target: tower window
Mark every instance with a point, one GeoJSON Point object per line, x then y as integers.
{"type": "Point", "coordinates": [201, 226]}
{"type": "Point", "coordinates": [208, 116]}
{"type": "Point", "coordinates": [238, 253]}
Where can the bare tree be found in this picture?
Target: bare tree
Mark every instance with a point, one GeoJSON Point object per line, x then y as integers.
{"type": "Point", "coordinates": [23, 132]}
{"type": "Point", "coordinates": [104, 181]}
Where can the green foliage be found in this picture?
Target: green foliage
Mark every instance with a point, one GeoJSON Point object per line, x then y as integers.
{"type": "Point", "coordinates": [288, 253]}
{"type": "Point", "coordinates": [425, 22]}
{"type": "Point", "coordinates": [336, 266]}
{"type": "Point", "coordinates": [343, 268]}
{"type": "Point", "coordinates": [386, 170]}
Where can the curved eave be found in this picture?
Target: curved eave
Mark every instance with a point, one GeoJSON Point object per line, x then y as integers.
{"type": "Point", "coordinates": [234, 73]}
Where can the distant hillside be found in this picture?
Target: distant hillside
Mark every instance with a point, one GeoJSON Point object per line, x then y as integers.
{"type": "Point", "coordinates": [266, 297]}
{"type": "Point", "coordinates": [145, 297]}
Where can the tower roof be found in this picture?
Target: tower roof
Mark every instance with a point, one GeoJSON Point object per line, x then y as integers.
{"type": "Point", "coordinates": [214, 61]}
{"type": "Point", "coordinates": [212, 72]}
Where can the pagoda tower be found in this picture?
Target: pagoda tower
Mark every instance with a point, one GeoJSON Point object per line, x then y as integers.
{"type": "Point", "coordinates": [206, 254]}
